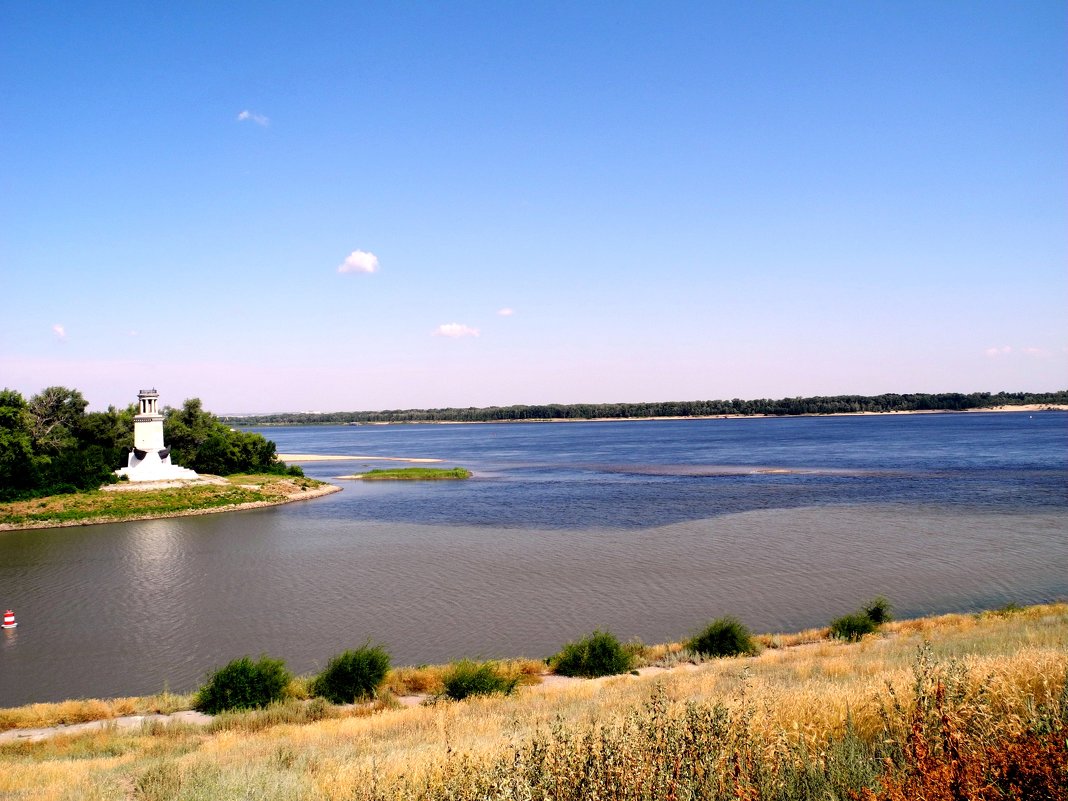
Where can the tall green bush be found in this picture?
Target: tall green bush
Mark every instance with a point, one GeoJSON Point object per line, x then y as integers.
{"type": "Point", "coordinates": [599, 654]}
{"type": "Point", "coordinates": [243, 684]}
{"type": "Point", "coordinates": [878, 610]}
{"type": "Point", "coordinates": [467, 678]}
{"type": "Point", "coordinates": [352, 675]}
{"type": "Point", "coordinates": [854, 626]}
{"type": "Point", "coordinates": [724, 636]}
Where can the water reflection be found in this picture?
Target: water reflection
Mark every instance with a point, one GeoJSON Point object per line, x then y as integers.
{"type": "Point", "coordinates": [145, 605]}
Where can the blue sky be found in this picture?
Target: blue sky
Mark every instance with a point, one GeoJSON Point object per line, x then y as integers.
{"type": "Point", "coordinates": [673, 200]}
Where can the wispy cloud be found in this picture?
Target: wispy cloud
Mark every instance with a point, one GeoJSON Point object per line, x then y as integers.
{"type": "Point", "coordinates": [359, 261]}
{"type": "Point", "coordinates": [252, 116]}
{"type": "Point", "coordinates": [60, 332]}
{"type": "Point", "coordinates": [455, 331]}
{"type": "Point", "coordinates": [506, 312]}
{"type": "Point", "coordinates": [1009, 350]}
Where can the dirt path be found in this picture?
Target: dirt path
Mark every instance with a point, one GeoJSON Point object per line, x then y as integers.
{"type": "Point", "coordinates": [550, 682]}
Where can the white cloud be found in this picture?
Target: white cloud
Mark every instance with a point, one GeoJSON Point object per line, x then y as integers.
{"type": "Point", "coordinates": [506, 312]}
{"type": "Point", "coordinates": [455, 331]}
{"type": "Point", "coordinates": [259, 119]}
{"type": "Point", "coordinates": [1006, 350]}
{"type": "Point", "coordinates": [359, 261]}
{"type": "Point", "coordinates": [60, 332]}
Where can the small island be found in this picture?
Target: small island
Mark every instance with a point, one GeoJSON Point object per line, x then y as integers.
{"type": "Point", "coordinates": [414, 474]}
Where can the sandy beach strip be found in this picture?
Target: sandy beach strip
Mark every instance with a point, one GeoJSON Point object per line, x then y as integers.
{"type": "Point", "coordinates": [325, 457]}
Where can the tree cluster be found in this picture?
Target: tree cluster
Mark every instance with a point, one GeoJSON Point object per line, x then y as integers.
{"type": "Point", "coordinates": [51, 445]}
{"type": "Point", "coordinates": [199, 441]}
{"type": "Point", "coordinates": [838, 404]}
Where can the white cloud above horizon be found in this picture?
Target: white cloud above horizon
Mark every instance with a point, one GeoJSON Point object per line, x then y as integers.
{"type": "Point", "coordinates": [252, 116]}
{"type": "Point", "coordinates": [359, 261]}
{"type": "Point", "coordinates": [507, 311]}
{"type": "Point", "coordinates": [1008, 350]}
{"type": "Point", "coordinates": [455, 331]}
{"type": "Point", "coordinates": [60, 332]}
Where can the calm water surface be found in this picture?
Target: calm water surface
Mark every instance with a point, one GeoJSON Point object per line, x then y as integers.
{"type": "Point", "coordinates": [645, 528]}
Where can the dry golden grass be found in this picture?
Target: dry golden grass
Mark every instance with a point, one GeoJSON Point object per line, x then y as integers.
{"type": "Point", "coordinates": [33, 716]}
{"type": "Point", "coordinates": [427, 679]}
{"type": "Point", "coordinates": [1004, 665]}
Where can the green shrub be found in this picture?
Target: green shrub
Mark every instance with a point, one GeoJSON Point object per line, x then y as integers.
{"type": "Point", "coordinates": [467, 678]}
{"type": "Point", "coordinates": [852, 627]}
{"type": "Point", "coordinates": [352, 675]}
{"type": "Point", "coordinates": [724, 636]}
{"type": "Point", "coordinates": [879, 610]}
{"type": "Point", "coordinates": [599, 654]}
{"type": "Point", "coordinates": [243, 684]}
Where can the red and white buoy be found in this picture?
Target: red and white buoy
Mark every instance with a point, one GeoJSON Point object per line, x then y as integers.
{"type": "Point", "coordinates": [9, 620]}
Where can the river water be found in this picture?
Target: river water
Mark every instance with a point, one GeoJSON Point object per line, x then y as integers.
{"type": "Point", "coordinates": [645, 528]}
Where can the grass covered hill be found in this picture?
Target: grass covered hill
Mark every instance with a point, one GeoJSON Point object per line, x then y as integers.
{"type": "Point", "coordinates": [968, 706]}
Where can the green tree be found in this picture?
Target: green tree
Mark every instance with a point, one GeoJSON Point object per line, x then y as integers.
{"type": "Point", "coordinates": [18, 472]}
{"type": "Point", "coordinates": [199, 441]}
{"type": "Point", "coordinates": [55, 414]}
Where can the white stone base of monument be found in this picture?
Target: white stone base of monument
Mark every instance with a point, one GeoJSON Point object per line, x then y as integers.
{"type": "Point", "coordinates": [153, 468]}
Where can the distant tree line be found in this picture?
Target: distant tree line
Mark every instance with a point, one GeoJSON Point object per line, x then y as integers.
{"type": "Point", "coordinates": [50, 444]}
{"type": "Point", "coordinates": [838, 404]}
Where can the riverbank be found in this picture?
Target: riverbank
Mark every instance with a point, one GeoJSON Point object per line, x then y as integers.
{"type": "Point", "coordinates": [129, 501]}
{"type": "Point", "coordinates": [1030, 408]}
{"type": "Point", "coordinates": [986, 681]}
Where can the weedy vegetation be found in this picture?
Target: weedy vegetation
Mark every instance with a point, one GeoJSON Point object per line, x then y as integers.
{"type": "Point", "coordinates": [467, 678]}
{"type": "Point", "coordinates": [724, 636]}
{"type": "Point", "coordinates": [961, 707]}
{"type": "Point", "coordinates": [856, 625]}
{"type": "Point", "coordinates": [353, 675]}
{"type": "Point", "coordinates": [244, 684]}
{"type": "Point", "coordinates": [598, 654]}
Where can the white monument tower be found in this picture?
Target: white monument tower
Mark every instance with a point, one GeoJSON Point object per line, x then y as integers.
{"type": "Point", "coordinates": [150, 459]}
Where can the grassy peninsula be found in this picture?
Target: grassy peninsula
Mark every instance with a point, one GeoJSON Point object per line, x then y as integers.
{"type": "Point", "coordinates": [963, 706]}
{"type": "Point", "coordinates": [126, 501]}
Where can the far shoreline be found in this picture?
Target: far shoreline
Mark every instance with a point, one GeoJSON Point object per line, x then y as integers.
{"type": "Point", "coordinates": [1028, 408]}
